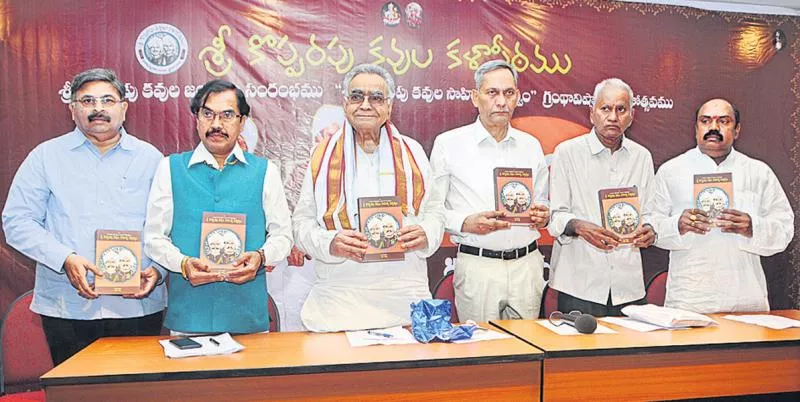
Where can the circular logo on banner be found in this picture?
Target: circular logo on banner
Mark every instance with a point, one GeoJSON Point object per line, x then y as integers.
{"type": "Point", "coordinates": [161, 49]}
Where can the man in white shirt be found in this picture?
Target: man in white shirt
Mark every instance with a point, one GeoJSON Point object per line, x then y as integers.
{"type": "Point", "coordinates": [499, 268]}
{"type": "Point", "coordinates": [591, 271]}
{"type": "Point", "coordinates": [715, 264]}
{"type": "Point", "coordinates": [368, 157]}
{"type": "Point", "coordinates": [217, 176]}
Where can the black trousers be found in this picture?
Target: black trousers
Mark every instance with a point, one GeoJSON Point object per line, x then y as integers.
{"type": "Point", "coordinates": [567, 303]}
{"type": "Point", "coordinates": [67, 337]}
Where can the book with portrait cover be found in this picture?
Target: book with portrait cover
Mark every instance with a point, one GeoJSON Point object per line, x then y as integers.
{"type": "Point", "coordinates": [620, 208]}
{"type": "Point", "coordinates": [513, 194]}
{"type": "Point", "coordinates": [118, 255]}
{"type": "Point", "coordinates": [713, 193]}
{"type": "Point", "coordinates": [379, 219]}
{"type": "Point", "coordinates": [222, 239]}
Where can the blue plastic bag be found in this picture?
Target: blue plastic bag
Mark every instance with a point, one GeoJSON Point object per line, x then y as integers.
{"type": "Point", "coordinates": [430, 321]}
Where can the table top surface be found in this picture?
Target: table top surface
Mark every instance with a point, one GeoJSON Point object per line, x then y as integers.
{"type": "Point", "coordinates": [126, 359]}
{"type": "Point", "coordinates": [728, 334]}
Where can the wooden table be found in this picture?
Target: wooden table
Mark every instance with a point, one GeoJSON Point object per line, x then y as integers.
{"type": "Point", "coordinates": [299, 366]}
{"type": "Point", "coordinates": [730, 359]}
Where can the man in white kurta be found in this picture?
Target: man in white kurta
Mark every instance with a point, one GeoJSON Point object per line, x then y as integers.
{"type": "Point", "coordinates": [498, 272]}
{"type": "Point", "coordinates": [369, 157]}
{"type": "Point", "coordinates": [593, 273]}
{"type": "Point", "coordinates": [715, 265]}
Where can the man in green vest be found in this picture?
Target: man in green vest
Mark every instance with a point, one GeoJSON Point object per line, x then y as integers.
{"type": "Point", "coordinates": [217, 176]}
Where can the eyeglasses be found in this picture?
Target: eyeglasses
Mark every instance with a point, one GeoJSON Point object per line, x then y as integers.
{"type": "Point", "coordinates": [357, 97]}
{"type": "Point", "coordinates": [225, 116]}
{"type": "Point", "coordinates": [91, 101]}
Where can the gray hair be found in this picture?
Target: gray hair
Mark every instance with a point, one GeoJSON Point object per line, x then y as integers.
{"type": "Point", "coordinates": [94, 75]}
{"type": "Point", "coordinates": [369, 69]}
{"type": "Point", "coordinates": [490, 66]}
{"type": "Point", "coordinates": [614, 83]}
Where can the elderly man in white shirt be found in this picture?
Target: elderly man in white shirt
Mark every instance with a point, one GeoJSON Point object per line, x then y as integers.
{"type": "Point", "coordinates": [367, 158]}
{"type": "Point", "coordinates": [498, 271]}
{"type": "Point", "coordinates": [715, 264]}
{"type": "Point", "coordinates": [593, 273]}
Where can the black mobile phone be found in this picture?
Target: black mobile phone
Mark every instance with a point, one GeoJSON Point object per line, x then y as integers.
{"type": "Point", "coordinates": [185, 343]}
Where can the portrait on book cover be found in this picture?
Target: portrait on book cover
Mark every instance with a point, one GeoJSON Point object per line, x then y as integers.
{"type": "Point", "coordinates": [622, 218]}
{"type": "Point", "coordinates": [118, 263]}
{"type": "Point", "coordinates": [222, 246]}
{"type": "Point", "coordinates": [515, 197]}
{"type": "Point", "coordinates": [381, 230]}
{"type": "Point", "coordinates": [712, 200]}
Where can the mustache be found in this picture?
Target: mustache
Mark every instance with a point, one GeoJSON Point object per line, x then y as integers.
{"type": "Point", "coordinates": [216, 131]}
{"type": "Point", "coordinates": [99, 116]}
{"type": "Point", "coordinates": [714, 133]}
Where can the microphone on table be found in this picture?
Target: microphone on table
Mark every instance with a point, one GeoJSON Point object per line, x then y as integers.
{"type": "Point", "coordinates": [583, 323]}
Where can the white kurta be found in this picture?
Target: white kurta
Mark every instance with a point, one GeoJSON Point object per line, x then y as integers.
{"type": "Point", "coordinates": [720, 272]}
{"type": "Point", "coordinates": [349, 295]}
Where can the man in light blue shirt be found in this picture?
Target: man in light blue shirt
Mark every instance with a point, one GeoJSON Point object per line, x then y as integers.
{"type": "Point", "coordinates": [96, 177]}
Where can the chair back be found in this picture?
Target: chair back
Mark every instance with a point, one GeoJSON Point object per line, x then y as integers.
{"type": "Point", "coordinates": [274, 315]}
{"type": "Point", "coordinates": [25, 352]}
{"type": "Point", "coordinates": [657, 289]}
{"type": "Point", "coordinates": [444, 290]}
{"type": "Point", "coordinates": [549, 301]}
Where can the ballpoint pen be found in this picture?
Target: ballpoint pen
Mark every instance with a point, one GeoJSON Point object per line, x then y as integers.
{"type": "Point", "coordinates": [378, 333]}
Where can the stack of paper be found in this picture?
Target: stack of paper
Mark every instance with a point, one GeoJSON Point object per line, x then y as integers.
{"type": "Point", "coordinates": [667, 317]}
{"type": "Point", "coordinates": [224, 345]}
{"type": "Point", "coordinates": [765, 320]}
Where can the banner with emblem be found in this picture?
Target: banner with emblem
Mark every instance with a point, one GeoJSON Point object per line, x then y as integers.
{"type": "Point", "coordinates": [289, 58]}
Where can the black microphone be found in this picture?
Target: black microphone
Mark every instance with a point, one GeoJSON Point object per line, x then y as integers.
{"type": "Point", "coordinates": [584, 323]}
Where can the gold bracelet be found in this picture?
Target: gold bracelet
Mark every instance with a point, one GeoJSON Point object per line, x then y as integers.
{"type": "Point", "coordinates": [183, 267]}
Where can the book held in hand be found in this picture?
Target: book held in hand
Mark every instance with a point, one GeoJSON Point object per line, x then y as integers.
{"type": "Point", "coordinates": [619, 208]}
{"type": "Point", "coordinates": [713, 193]}
{"type": "Point", "coordinates": [222, 239]}
{"type": "Point", "coordinates": [118, 255]}
{"type": "Point", "coordinates": [379, 219]}
{"type": "Point", "coordinates": [513, 194]}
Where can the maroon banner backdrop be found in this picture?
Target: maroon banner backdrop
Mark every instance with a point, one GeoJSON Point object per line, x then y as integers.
{"type": "Point", "coordinates": [290, 56]}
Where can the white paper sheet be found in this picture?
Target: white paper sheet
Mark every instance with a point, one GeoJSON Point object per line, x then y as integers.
{"type": "Point", "coordinates": [566, 329]}
{"type": "Point", "coordinates": [484, 335]}
{"type": "Point", "coordinates": [630, 323]}
{"type": "Point", "coordinates": [765, 320]}
{"type": "Point", "coordinates": [386, 336]}
{"type": "Point", "coordinates": [227, 345]}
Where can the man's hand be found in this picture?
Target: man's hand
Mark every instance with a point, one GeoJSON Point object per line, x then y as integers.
{"type": "Point", "coordinates": [150, 278]}
{"type": "Point", "coordinates": [644, 237]}
{"type": "Point", "coordinates": [297, 258]}
{"type": "Point", "coordinates": [540, 216]}
{"type": "Point", "coordinates": [694, 220]}
{"type": "Point", "coordinates": [198, 273]}
{"type": "Point", "coordinates": [349, 244]}
{"type": "Point", "coordinates": [733, 221]}
{"type": "Point", "coordinates": [249, 264]}
{"type": "Point", "coordinates": [484, 222]}
{"type": "Point", "coordinates": [597, 236]}
{"type": "Point", "coordinates": [412, 238]}
{"type": "Point", "coordinates": [75, 267]}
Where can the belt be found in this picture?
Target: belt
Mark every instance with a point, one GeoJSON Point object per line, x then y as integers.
{"type": "Point", "coordinates": [501, 255]}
